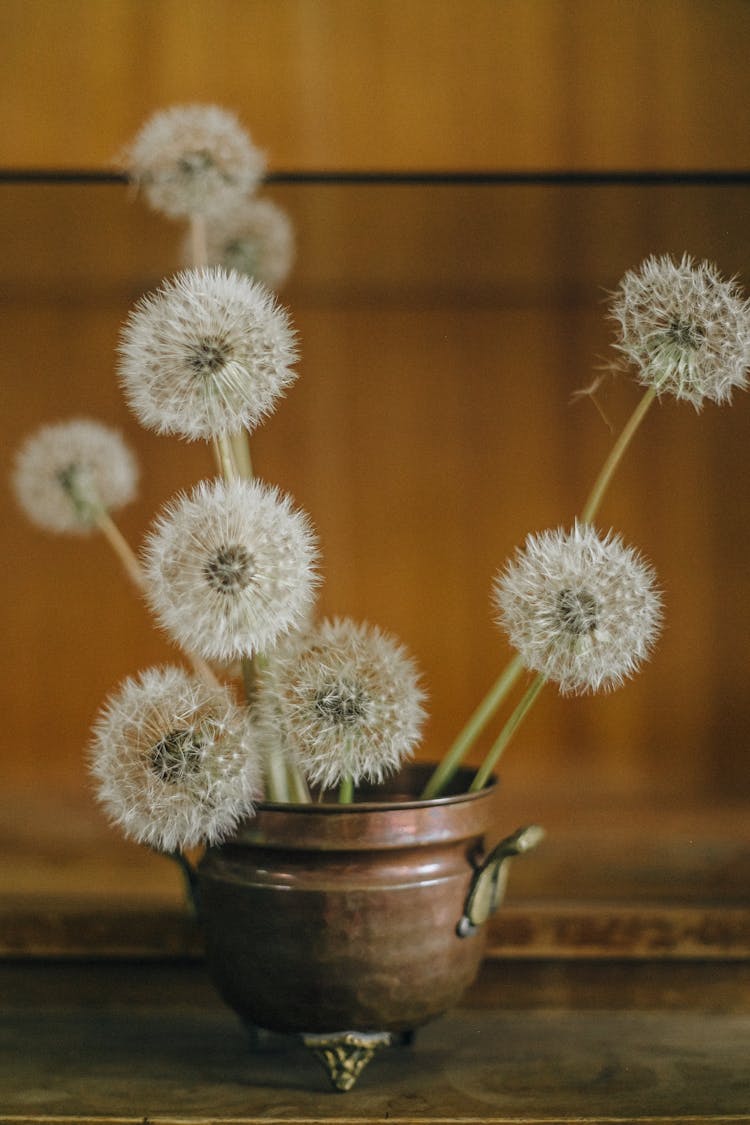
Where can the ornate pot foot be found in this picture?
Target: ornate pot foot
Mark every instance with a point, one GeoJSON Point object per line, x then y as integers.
{"type": "Point", "coordinates": [345, 1054]}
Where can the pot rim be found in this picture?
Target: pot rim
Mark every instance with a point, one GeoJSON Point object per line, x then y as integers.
{"type": "Point", "coordinates": [416, 772]}
{"type": "Point", "coordinates": [364, 825]}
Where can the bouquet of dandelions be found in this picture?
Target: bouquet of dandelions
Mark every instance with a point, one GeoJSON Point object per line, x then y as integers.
{"type": "Point", "coordinates": [275, 702]}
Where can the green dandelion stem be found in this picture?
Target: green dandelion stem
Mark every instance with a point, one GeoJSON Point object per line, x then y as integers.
{"type": "Point", "coordinates": [225, 457]}
{"type": "Point", "coordinates": [198, 243]}
{"type": "Point", "coordinates": [516, 718]}
{"type": "Point", "coordinates": [92, 512]}
{"type": "Point", "coordinates": [346, 791]}
{"type": "Point", "coordinates": [497, 693]}
{"type": "Point", "coordinates": [190, 880]}
{"type": "Point", "coordinates": [615, 456]}
{"type": "Point", "coordinates": [98, 516]}
{"type": "Point", "coordinates": [121, 547]}
{"type": "Point", "coordinates": [241, 453]}
{"type": "Point", "coordinates": [249, 678]}
{"type": "Point", "coordinates": [298, 790]}
{"type": "Point", "coordinates": [277, 781]}
{"type": "Point", "coordinates": [279, 784]}
{"type": "Point", "coordinates": [132, 568]}
{"type": "Point", "coordinates": [241, 463]}
{"type": "Point", "coordinates": [252, 666]}
{"type": "Point", "coordinates": [476, 724]}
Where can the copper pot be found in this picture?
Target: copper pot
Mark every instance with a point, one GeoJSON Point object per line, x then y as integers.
{"type": "Point", "coordinates": [326, 917]}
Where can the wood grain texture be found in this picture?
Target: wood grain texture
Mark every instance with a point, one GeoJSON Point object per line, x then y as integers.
{"type": "Point", "coordinates": [649, 888]}
{"type": "Point", "coordinates": [384, 84]}
{"type": "Point", "coordinates": [72, 929]}
{"type": "Point", "coordinates": [148, 1044]}
{"type": "Point", "coordinates": [443, 332]}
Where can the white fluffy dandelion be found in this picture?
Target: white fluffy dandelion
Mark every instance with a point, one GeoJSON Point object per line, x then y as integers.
{"type": "Point", "coordinates": [349, 702]}
{"type": "Point", "coordinates": [684, 328]}
{"type": "Point", "coordinates": [256, 239]}
{"type": "Point", "coordinates": [174, 760]}
{"type": "Point", "coordinates": [230, 568]}
{"type": "Point", "coordinates": [209, 353]}
{"type": "Point", "coordinates": [194, 160]}
{"type": "Point", "coordinates": [69, 473]}
{"type": "Point", "coordinates": [581, 609]}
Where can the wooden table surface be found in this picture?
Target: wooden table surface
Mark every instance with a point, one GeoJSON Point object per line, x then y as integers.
{"type": "Point", "coordinates": [535, 1042]}
{"type": "Point", "coordinates": [617, 989]}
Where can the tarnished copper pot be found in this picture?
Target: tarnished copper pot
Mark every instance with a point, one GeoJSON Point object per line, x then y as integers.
{"type": "Point", "coordinates": [326, 917]}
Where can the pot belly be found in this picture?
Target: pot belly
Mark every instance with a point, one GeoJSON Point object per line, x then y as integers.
{"type": "Point", "coordinates": [324, 942]}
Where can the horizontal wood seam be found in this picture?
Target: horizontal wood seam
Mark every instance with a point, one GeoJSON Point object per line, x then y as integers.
{"type": "Point", "coordinates": [540, 931]}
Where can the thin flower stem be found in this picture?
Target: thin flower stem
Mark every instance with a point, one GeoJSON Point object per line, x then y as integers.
{"type": "Point", "coordinates": [298, 790]}
{"type": "Point", "coordinates": [198, 244]}
{"type": "Point", "coordinates": [519, 714]}
{"type": "Point", "coordinates": [217, 457]}
{"type": "Point", "coordinates": [249, 678]}
{"type": "Point", "coordinates": [190, 880]}
{"type": "Point", "coordinates": [277, 781]}
{"type": "Point", "coordinates": [284, 782]}
{"type": "Point", "coordinates": [121, 547]}
{"type": "Point", "coordinates": [616, 454]}
{"type": "Point", "coordinates": [132, 568]}
{"type": "Point", "coordinates": [508, 677]}
{"type": "Point", "coordinates": [200, 259]}
{"type": "Point", "coordinates": [239, 442]}
{"type": "Point", "coordinates": [241, 451]}
{"type": "Point", "coordinates": [476, 724]}
{"type": "Point", "coordinates": [346, 791]}
{"type": "Point", "coordinates": [226, 458]}
{"type": "Point", "coordinates": [129, 561]}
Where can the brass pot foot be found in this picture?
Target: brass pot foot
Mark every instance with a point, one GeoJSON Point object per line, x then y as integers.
{"type": "Point", "coordinates": [345, 1054]}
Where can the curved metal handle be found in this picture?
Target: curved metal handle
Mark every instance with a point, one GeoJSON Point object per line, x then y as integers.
{"type": "Point", "coordinates": [487, 888]}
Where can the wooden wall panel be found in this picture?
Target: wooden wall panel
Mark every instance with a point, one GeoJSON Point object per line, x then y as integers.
{"type": "Point", "coordinates": [443, 331]}
{"type": "Point", "coordinates": [387, 83]}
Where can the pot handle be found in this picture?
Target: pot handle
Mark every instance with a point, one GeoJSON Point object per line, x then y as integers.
{"type": "Point", "coordinates": [487, 888]}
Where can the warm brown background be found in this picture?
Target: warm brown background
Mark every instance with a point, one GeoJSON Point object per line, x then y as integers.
{"type": "Point", "coordinates": [388, 83]}
{"type": "Point", "coordinates": [443, 331]}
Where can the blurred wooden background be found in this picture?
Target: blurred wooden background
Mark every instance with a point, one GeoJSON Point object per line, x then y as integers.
{"type": "Point", "coordinates": [388, 83]}
{"type": "Point", "coordinates": [443, 332]}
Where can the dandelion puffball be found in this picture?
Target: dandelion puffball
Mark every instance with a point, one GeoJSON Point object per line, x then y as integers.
{"type": "Point", "coordinates": [684, 328]}
{"type": "Point", "coordinates": [174, 760]}
{"type": "Point", "coordinates": [194, 160]}
{"type": "Point", "coordinates": [256, 239]}
{"type": "Point", "coordinates": [348, 700]}
{"type": "Point", "coordinates": [230, 568]}
{"type": "Point", "coordinates": [208, 353]}
{"type": "Point", "coordinates": [581, 609]}
{"type": "Point", "coordinates": [69, 473]}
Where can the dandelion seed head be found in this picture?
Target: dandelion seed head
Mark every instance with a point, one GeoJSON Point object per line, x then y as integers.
{"type": "Point", "coordinates": [255, 239]}
{"type": "Point", "coordinates": [194, 160]}
{"type": "Point", "coordinates": [177, 755]}
{"type": "Point", "coordinates": [230, 569]}
{"type": "Point", "coordinates": [208, 353]}
{"type": "Point", "coordinates": [348, 700]}
{"type": "Point", "coordinates": [684, 328]}
{"type": "Point", "coordinates": [580, 608]}
{"type": "Point", "coordinates": [578, 612]}
{"type": "Point", "coordinates": [68, 473]}
{"type": "Point", "coordinates": [175, 762]}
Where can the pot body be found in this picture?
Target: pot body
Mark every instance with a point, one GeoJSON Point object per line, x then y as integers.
{"type": "Point", "coordinates": [321, 918]}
